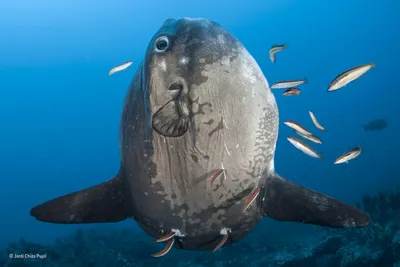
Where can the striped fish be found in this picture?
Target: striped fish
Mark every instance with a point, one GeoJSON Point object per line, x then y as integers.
{"type": "Point", "coordinates": [306, 149]}
{"type": "Point", "coordinates": [348, 76]}
{"type": "Point", "coordinates": [274, 49]}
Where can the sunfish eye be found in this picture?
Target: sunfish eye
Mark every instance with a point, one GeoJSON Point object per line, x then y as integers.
{"type": "Point", "coordinates": [161, 44]}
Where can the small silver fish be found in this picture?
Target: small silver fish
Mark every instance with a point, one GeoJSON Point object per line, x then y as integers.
{"type": "Point", "coordinates": [291, 91]}
{"type": "Point", "coordinates": [274, 49]}
{"type": "Point", "coordinates": [304, 148]}
{"type": "Point", "coordinates": [352, 154]}
{"type": "Point", "coordinates": [315, 121]}
{"type": "Point", "coordinates": [119, 68]}
{"type": "Point", "coordinates": [296, 126]}
{"type": "Point", "coordinates": [288, 83]}
{"type": "Point", "coordinates": [311, 138]}
{"type": "Point", "coordinates": [348, 76]}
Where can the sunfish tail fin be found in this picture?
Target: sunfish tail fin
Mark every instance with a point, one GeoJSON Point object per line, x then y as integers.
{"type": "Point", "coordinates": [286, 201]}
{"type": "Point", "coordinates": [106, 202]}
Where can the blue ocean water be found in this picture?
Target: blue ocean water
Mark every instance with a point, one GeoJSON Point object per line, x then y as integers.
{"type": "Point", "coordinates": [60, 110]}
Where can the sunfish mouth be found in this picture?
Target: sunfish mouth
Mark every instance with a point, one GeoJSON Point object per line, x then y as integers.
{"type": "Point", "coordinates": [172, 119]}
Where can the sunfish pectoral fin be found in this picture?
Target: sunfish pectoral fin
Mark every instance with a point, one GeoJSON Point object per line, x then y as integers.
{"type": "Point", "coordinates": [171, 120]}
{"type": "Point", "coordinates": [286, 201]}
{"type": "Point", "coordinates": [106, 202]}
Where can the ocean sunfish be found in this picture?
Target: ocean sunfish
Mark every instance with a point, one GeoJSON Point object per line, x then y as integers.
{"type": "Point", "coordinates": [198, 133]}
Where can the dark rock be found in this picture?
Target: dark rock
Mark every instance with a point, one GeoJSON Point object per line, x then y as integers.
{"type": "Point", "coordinates": [377, 245]}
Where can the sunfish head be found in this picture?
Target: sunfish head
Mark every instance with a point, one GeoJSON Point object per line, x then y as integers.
{"type": "Point", "coordinates": [203, 85]}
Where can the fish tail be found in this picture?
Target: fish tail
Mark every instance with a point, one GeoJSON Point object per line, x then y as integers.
{"type": "Point", "coordinates": [305, 80]}
{"type": "Point", "coordinates": [372, 64]}
{"type": "Point", "coordinates": [284, 46]}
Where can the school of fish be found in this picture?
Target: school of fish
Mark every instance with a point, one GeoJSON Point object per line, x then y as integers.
{"type": "Point", "coordinates": [338, 82]}
{"type": "Point", "coordinates": [292, 89]}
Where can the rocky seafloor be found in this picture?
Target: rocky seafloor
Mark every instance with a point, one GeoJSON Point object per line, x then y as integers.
{"type": "Point", "coordinates": [377, 245]}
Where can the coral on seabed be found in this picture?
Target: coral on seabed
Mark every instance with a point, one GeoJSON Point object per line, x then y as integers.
{"type": "Point", "coordinates": [377, 245]}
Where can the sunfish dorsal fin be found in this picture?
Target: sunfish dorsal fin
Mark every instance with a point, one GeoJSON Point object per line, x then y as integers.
{"type": "Point", "coordinates": [286, 201]}
{"type": "Point", "coordinates": [106, 202]}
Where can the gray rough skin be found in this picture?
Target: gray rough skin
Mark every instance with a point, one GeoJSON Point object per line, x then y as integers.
{"type": "Point", "coordinates": [219, 113]}
{"type": "Point", "coordinates": [231, 110]}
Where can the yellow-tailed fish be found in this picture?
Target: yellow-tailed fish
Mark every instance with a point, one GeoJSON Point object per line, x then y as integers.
{"type": "Point", "coordinates": [311, 138]}
{"type": "Point", "coordinates": [304, 148]}
{"type": "Point", "coordinates": [291, 91]}
{"type": "Point", "coordinates": [315, 121]}
{"type": "Point", "coordinates": [348, 76]}
{"type": "Point", "coordinates": [294, 125]}
{"type": "Point", "coordinates": [288, 83]}
{"type": "Point", "coordinates": [274, 49]}
{"type": "Point", "coordinates": [349, 155]}
{"type": "Point", "coordinates": [119, 68]}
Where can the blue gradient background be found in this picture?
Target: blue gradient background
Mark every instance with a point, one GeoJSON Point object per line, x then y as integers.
{"type": "Point", "coordinates": [59, 110]}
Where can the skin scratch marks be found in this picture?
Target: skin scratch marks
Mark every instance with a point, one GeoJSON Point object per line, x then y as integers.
{"type": "Point", "coordinates": [227, 151]}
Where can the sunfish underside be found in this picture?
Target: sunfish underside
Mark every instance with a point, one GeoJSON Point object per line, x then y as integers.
{"type": "Point", "coordinates": [197, 136]}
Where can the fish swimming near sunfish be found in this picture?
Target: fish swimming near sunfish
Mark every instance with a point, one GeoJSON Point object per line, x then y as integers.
{"type": "Point", "coordinates": [288, 83]}
{"type": "Point", "coordinates": [315, 121]}
{"type": "Point", "coordinates": [348, 76]}
{"type": "Point", "coordinates": [198, 104]}
{"type": "Point", "coordinates": [311, 137]}
{"type": "Point", "coordinates": [349, 155]}
{"type": "Point", "coordinates": [297, 127]}
{"type": "Point", "coordinates": [292, 91]}
{"type": "Point", "coordinates": [119, 68]}
{"type": "Point", "coordinates": [275, 49]}
{"type": "Point", "coordinates": [375, 125]}
{"type": "Point", "coordinates": [303, 147]}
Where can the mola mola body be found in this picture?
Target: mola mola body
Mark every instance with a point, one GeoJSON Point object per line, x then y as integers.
{"type": "Point", "coordinates": [198, 134]}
